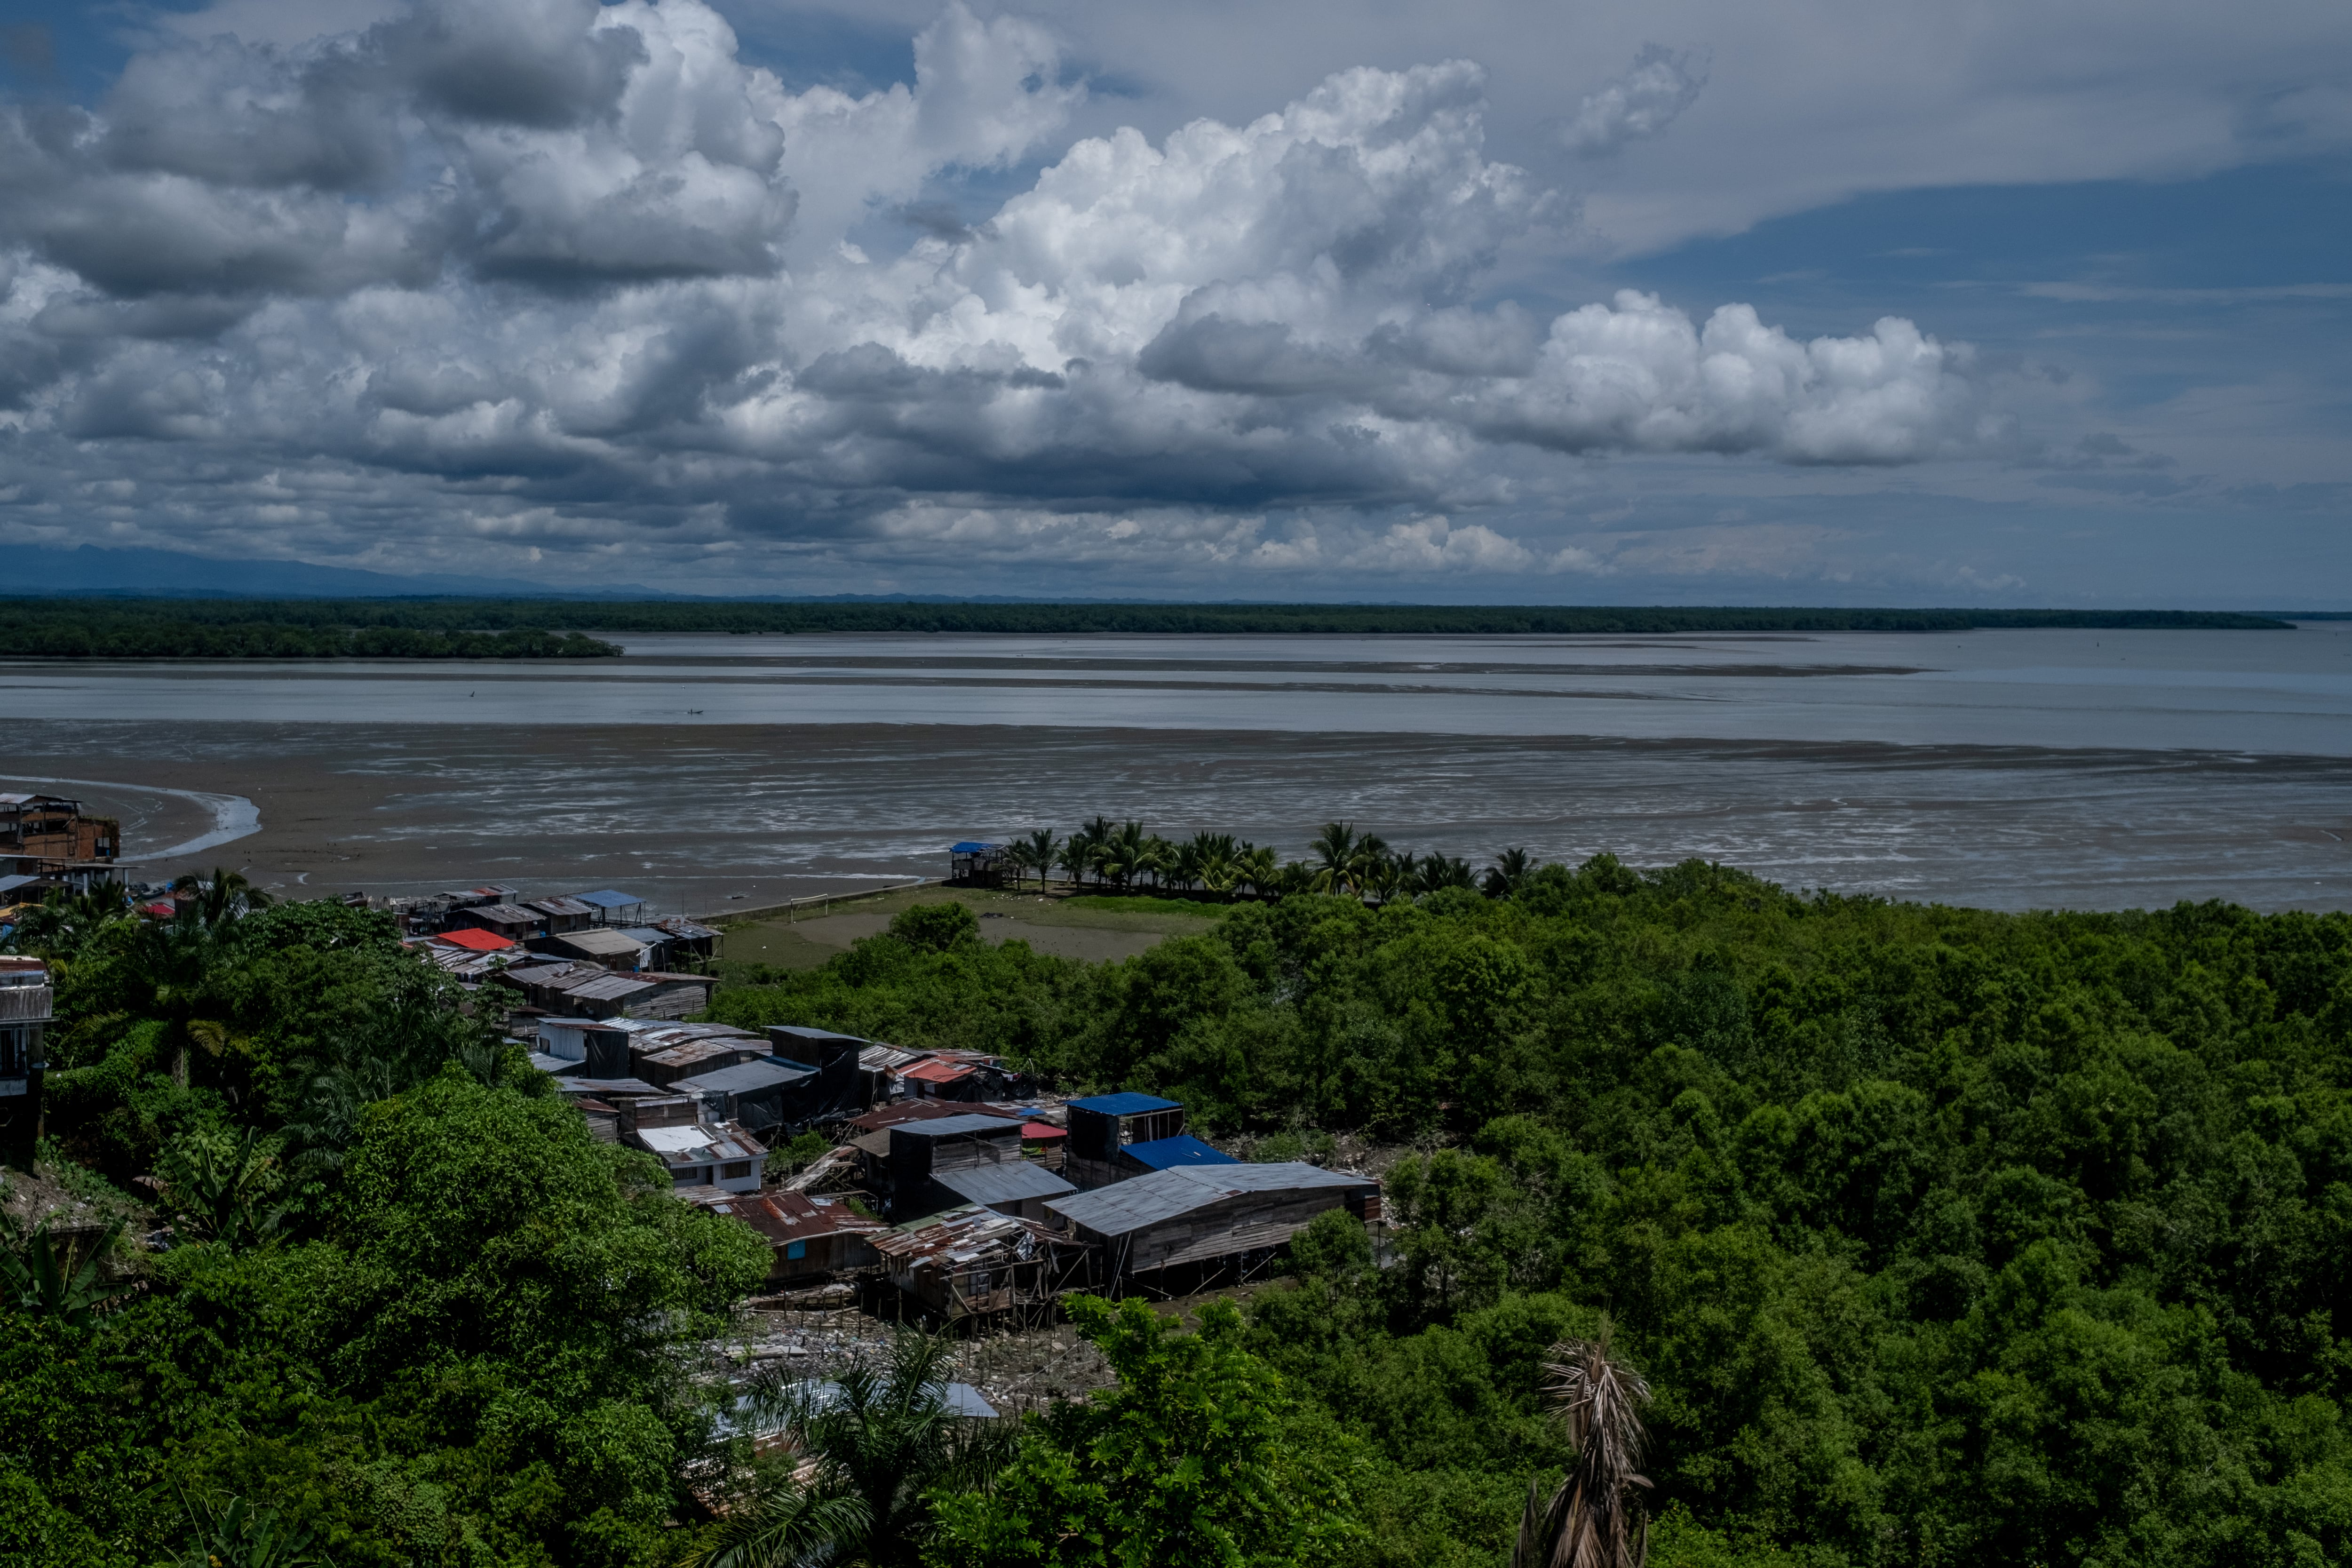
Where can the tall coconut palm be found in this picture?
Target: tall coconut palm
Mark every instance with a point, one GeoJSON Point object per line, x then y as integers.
{"type": "Point", "coordinates": [1335, 858]}
{"type": "Point", "coordinates": [1260, 867]}
{"type": "Point", "coordinates": [1038, 852]}
{"type": "Point", "coordinates": [1096, 838]}
{"type": "Point", "coordinates": [1594, 1519]}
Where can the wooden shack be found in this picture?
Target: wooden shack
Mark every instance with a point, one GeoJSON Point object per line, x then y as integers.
{"type": "Point", "coordinates": [1104, 1125]}
{"type": "Point", "coordinates": [975, 1262]}
{"type": "Point", "coordinates": [921, 1148]}
{"type": "Point", "coordinates": [1213, 1217]}
{"type": "Point", "coordinates": [814, 1239]}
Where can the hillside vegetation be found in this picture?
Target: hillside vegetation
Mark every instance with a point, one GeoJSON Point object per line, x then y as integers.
{"type": "Point", "coordinates": [1941, 1237]}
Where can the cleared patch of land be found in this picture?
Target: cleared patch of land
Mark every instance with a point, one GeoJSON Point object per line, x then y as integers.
{"type": "Point", "coordinates": [1085, 927]}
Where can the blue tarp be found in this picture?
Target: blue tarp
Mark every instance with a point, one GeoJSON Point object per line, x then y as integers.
{"type": "Point", "coordinates": [1127, 1104]}
{"type": "Point", "coordinates": [1162, 1153]}
{"type": "Point", "coordinates": [973, 847]}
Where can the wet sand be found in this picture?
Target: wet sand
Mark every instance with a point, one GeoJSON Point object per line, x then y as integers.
{"type": "Point", "coordinates": [697, 817]}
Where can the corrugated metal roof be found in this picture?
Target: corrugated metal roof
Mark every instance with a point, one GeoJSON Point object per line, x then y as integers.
{"type": "Point", "coordinates": [743, 1077]}
{"type": "Point", "coordinates": [561, 906]}
{"type": "Point", "coordinates": [957, 1126]}
{"type": "Point", "coordinates": [927, 1110]}
{"type": "Point", "coordinates": [626, 1087]}
{"type": "Point", "coordinates": [606, 898]}
{"type": "Point", "coordinates": [652, 936]}
{"type": "Point", "coordinates": [600, 941]}
{"type": "Point", "coordinates": [962, 1236]}
{"type": "Point", "coordinates": [1127, 1104]}
{"type": "Point", "coordinates": [610, 988]}
{"type": "Point", "coordinates": [1162, 1196]}
{"type": "Point", "coordinates": [1007, 1184]}
{"type": "Point", "coordinates": [1165, 1153]}
{"type": "Point", "coordinates": [472, 937]}
{"type": "Point", "coordinates": [941, 1072]}
{"type": "Point", "coordinates": [883, 1058]}
{"type": "Point", "coordinates": [973, 847]}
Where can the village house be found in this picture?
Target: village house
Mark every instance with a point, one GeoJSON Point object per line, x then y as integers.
{"type": "Point", "coordinates": [694, 1152]}
{"type": "Point", "coordinates": [25, 1007]}
{"type": "Point", "coordinates": [47, 843]}
{"type": "Point", "coordinates": [1102, 1125]}
{"type": "Point", "coordinates": [1189, 1223]}
{"type": "Point", "coordinates": [814, 1238]}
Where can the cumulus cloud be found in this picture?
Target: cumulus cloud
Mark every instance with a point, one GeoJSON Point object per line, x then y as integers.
{"type": "Point", "coordinates": [1643, 102]}
{"type": "Point", "coordinates": [559, 273]}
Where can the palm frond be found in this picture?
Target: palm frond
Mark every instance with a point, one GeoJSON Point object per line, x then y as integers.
{"type": "Point", "coordinates": [1594, 1520]}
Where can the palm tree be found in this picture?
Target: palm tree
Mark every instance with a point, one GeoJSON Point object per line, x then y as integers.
{"type": "Point", "coordinates": [224, 900]}
{"type": "Point", "coordinates": [880, 1437]}
{"type": "Point", "coordinates": [1335, 851]}
{"type": "Point", "coordinates": [1039, 851]}
{"type": "Point", "coordinates": [1096, 836]}
{"type": "Point", "coordinates": [1073, 859]}
{"type": "Point", "coordinates": [1260, 869]}
{"type": "Point", "coordinates": [61, 924]}
{"type": "Point", "coordinates": [1504, 877]}
{"type": "Point", "coordinates": [1594, 1521]}
{"type": "Point", "coordinates": [1445, 871]}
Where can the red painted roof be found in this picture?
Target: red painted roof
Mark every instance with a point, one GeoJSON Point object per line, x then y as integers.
{"type": "Point", "coordinates": [1042, 1133]}
{"type": "Point", "coordinates": [479, 941]}
{"type": "Point", "coordinates": [940, 1072]}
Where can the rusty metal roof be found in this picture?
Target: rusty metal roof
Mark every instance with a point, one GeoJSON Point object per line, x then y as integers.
{"type": "Point", "coordinates": [962, 1236]}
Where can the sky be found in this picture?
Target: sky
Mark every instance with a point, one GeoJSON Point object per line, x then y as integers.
{"type": "Point", "coordinates": [1804, 301]}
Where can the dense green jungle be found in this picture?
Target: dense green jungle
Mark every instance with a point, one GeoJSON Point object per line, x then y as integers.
{"type": "Point", "coordinates": [1939, 1236]}
{"type": "Point", "coordinates": [120, 626]}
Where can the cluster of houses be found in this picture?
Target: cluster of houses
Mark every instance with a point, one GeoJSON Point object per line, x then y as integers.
{"type": "Point", "coordinates": [597, 955]}
{"type": "Point", "coordinates": [947, 1178]}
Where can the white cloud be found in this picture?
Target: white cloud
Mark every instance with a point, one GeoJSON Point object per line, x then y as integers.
{"type": "Point", "coordinates": [557, 271]}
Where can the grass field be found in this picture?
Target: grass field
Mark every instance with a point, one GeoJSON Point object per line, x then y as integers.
{"type": "Point", "coordinates": [1089, 926]}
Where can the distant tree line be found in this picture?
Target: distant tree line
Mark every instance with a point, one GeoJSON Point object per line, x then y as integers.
{"type": "Point", "coordinates": [24, 618]}
{"type": "Point", "coordinates": [92, 632]}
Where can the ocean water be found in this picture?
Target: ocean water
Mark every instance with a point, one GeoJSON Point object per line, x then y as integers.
{"type": "Point", "coordinates": [2014, 769]}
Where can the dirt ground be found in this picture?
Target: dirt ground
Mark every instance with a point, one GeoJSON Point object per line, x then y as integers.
{"type": "Point", "coordinates": [1053, 923]}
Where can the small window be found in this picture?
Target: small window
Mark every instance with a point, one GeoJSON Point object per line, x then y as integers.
{"type": "Point", "coordinates": [740, 1168]}
{"type": "Point", "coordinates": [796, 1249]}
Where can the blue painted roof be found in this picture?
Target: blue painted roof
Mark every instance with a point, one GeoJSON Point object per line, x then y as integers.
{"type": "Point", "coordinates": [609, 899]}
{"type": "Point", "coordinates": [1127, 1104]}
{"type": "Point", "coordinates": [1162, 1153]}
{"type": "Point", "coordinates": [973, 847]}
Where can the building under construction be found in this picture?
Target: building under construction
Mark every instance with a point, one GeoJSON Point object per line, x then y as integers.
{"type": "Point", "coordinates": [46, 842]}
